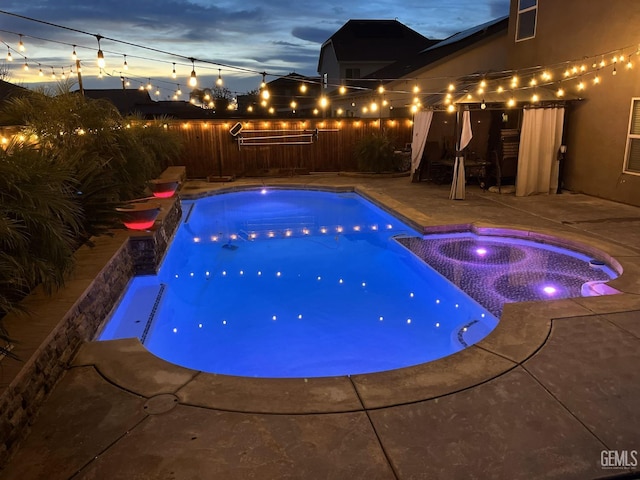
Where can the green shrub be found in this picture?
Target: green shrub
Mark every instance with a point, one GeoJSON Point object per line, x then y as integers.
{"type": "Point", "coordinates": [375, 153]}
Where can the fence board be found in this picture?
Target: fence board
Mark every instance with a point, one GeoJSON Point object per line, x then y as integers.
{"type": "Point", "coordinates": [209, 148]}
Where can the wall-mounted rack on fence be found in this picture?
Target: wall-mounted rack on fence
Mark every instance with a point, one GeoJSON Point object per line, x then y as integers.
{"type": "Point", "coordinates": [275, 137]}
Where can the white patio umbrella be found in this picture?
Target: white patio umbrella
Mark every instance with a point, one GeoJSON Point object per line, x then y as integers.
{"type": "Point", "coordinates": [458, 184]}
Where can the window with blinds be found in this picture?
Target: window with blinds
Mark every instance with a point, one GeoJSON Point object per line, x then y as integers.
{"type": "Point", "coordinates": [632, 157]}
{"type": "Point", "coordinates": [527, 19]}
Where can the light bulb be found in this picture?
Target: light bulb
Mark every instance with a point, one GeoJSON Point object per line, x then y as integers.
{"type": "Point", "coordinates": [21, 44]}
{"type": "Point", "coordinates": [219, 80]}
{"type": "Point", "coordinates": [193, 81]}
{"type": "Point", "coordinates": [101, 62]}
{"type": "Point", "coordinates": [125, 64]}
{"type": "Point", "coordinates": [9, 57]}
{"type": "Point", "coordinates": [303, 88]}
{"type": "Point", "coordinates": [74, 55]}
{"type": "Point", "coordinates": [173, 74]}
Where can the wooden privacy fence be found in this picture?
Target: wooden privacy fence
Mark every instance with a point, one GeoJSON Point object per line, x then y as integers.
{"type": "Point", "coordinates": [277, 147]}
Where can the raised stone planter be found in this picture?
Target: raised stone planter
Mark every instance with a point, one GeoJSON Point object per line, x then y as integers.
{"type": "Point", "coordinates": [57, 325]}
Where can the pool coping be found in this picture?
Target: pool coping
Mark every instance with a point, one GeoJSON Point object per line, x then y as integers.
{"type": "Point", "coordinates": [523, 329]}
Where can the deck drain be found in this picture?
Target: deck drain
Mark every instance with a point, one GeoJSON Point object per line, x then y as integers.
{"type": "Point", "coordinates": [160, 404]}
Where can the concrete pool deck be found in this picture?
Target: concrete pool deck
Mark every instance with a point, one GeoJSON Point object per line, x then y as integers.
{"type": "Point", "coordinates": [557, 384]}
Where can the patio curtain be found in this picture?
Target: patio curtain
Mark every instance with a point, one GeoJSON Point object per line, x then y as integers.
{"type": "Point", "coordinates": [458, 190]}
{"type": "Point", "coordinates": [421, 125]}
{"type": "Point", "coordinates": [540, 141]}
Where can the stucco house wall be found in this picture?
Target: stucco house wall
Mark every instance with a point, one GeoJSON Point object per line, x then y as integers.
{"type": "Point", "coordinates": [585, 33]}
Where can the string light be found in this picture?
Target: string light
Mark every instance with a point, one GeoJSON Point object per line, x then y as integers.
{"type": "Point", "coordinates": [74, 55]}
{"type": "Point", "coordinates": [101, 62]}
{"type": "Point", "coordinates": [538, 76]}
{"type": "Point", "coordinates": [193, 81]}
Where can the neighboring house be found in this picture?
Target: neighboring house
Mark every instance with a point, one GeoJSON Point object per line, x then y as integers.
{"type": "Point", "coordinates": [602, 132]}
{"type": "Point", "coordinates": [292, 95]}
{"type": "Point", "coordinates": [482, 48]}
{"type": "Point", "coordinates": [8, 90]}
{"type": "Point", "coordinates": [139, 102]}
{"type": "Point", "coordinates": [361, 47]}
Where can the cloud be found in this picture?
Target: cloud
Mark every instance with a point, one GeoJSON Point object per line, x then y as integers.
{"type": "Point", "coordinates": [312, 34]}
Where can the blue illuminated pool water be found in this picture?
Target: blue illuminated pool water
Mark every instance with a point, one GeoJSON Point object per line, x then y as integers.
{"type": "Point", "coordinates": [286, 283]}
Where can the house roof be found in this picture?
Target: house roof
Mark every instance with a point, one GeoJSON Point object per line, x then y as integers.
{"type": "Point", "coordinates": [442, 49]}
{"type": "Point", "coordinates": [132, 102]}
{"type": "Point", "coordinates": [8, 89]}
{"type": "Point", "coordinates": [374, 40]}
{"type": "Point", "coordinates": [126, 101]}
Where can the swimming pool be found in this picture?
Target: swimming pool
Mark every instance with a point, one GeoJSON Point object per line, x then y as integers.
{"type": "Point", "coordinates": [289, 283]}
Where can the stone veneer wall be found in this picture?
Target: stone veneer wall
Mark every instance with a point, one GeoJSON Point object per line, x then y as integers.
{"type": "Point", "coordinates": [20, 401]}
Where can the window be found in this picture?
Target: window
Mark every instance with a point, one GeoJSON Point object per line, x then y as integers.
{"type": "Point", "coordinates": [527, 16]}
{"type": "Point", "coordinates": [632, 154]}
{"type": "Point", "coordinates": [352, 73]}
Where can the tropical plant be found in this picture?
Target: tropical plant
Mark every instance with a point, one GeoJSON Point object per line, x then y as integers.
{"type": "Point", "coordinates": [375, 153]}
{"type": "Point", "coordinates": [77, 160]}
{"type": "Point", "coordinates": [39, 223]}
{"type": "Point", "coordinates": [112, 159]}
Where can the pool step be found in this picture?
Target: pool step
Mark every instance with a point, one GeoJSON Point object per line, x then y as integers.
{"type": "Point", "coordinates": [137, 312]}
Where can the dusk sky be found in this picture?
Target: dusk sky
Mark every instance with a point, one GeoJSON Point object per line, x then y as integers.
{"type": "Point", "coordinates": [277, 37]}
